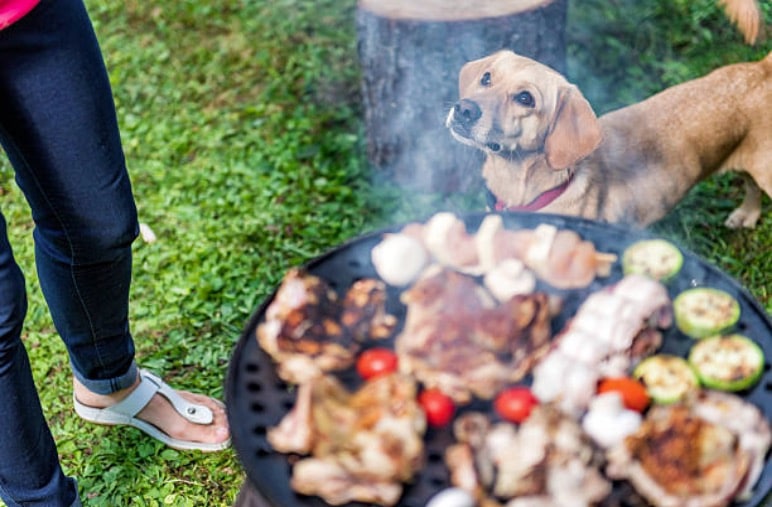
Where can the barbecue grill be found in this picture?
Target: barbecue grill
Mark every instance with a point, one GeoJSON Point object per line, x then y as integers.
{"type": "Point", "coordinates": [257, 399]}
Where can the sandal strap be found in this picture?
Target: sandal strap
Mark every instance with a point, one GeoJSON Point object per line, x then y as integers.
{"type": "Point", "coordinates": [151, 384]}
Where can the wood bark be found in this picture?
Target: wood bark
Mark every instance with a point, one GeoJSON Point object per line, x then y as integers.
{"type": "Point", "coordinates": [410, 54]}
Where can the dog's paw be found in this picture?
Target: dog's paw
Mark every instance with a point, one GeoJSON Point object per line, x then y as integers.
{"type": "Point", "coordinates": [742, 218]}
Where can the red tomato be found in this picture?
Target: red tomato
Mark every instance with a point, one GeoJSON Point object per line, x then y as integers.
{"type": "Point", "coordinates": [633, 392]}
{"type": "Point", "coordinates": [438, 406]}
{"type": "Point", "coordinates": [515, 404]}
{"type": "Point", "coordinates": [376, 361]}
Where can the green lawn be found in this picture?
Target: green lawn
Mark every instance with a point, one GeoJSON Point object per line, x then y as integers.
{"type": "Point", "coordinates": [242, 127]}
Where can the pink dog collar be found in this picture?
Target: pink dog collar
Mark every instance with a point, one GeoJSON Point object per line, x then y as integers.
{"type": "Point", "coordinates": [541, 200]}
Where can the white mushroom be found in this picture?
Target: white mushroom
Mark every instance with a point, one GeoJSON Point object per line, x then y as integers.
{"type": "Point", "coordinates": [452, 497]}
{"type": "Point", "coordinates": [608, 422]}
{"type": "Point", "coordinates": [399, 259]}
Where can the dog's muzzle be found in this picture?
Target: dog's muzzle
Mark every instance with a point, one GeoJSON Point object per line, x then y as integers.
{"type": "Point", "coordinates": [464, 115]}
{"type": "Point", "coordinates": [462, 119]}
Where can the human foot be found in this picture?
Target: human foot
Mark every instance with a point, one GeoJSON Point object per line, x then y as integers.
{"type": "Point", "coordinates": [197, 422]}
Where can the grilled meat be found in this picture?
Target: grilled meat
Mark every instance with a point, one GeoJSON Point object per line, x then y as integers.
{"type": "Point", "coordinates": [362, 446]}
{"type": "Point", "coordinates": [460, 340]}
{"type": "Point", "coordinates": [603, 339]}
{"type": "Point", "coordinates": [474, 325]}
{"type": "Point", "coordinates": [546, 461]}
{"type": "Point", "coordinates": [308, 330]}
{"type": "Point", "coordinates": [705, 452]}
{"type": "Point", "coordinates": [364, 311]}
{"type": "Point", "coordinates": [559, 257]}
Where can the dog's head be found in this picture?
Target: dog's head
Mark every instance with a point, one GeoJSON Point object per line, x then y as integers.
{"type": "Point", "coordinates": [513, 106]}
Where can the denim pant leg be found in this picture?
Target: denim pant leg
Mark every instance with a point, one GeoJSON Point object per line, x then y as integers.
{"type": "Point", "coordinates": [59, 129]}
{"type": "Point", "coordinates": [30, 473]}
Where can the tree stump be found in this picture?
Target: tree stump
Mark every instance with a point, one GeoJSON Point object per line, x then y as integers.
{"type": "Point", "coordinates": [410, 53]}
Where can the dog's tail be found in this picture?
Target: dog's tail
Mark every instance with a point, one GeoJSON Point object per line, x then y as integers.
{"type": "Point", "coordinates": [746, 15]}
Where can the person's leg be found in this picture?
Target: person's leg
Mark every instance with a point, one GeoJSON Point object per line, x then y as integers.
{"type": "Point", "coordinates": [29, 464]}
{"type": "Point", "coordinates": [62, 137]}
{"type": "Point", "coordinates": [60, 131]}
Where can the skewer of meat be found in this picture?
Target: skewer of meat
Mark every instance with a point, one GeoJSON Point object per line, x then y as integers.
{"type": "Point", "coordinates": [612, 329]}
{"type": "Point", "coordinates": [559, 257]}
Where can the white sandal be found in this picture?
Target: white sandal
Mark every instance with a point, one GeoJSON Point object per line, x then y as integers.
{"type": "Point", "coordinates": [124, 412]}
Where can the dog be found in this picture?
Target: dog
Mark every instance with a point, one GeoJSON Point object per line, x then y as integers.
{"type": "Point", "coordinates": [546, 150]}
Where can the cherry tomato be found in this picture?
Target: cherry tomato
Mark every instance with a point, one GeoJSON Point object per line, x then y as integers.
{"type": "Point", "coordinates": [376, 361]}
{"type": "Point", "coordinates": [634, 394]}
{"type": "Point", "coordinates": [515, 404]}
{"type": "Point", "coordinates": [438, 406]}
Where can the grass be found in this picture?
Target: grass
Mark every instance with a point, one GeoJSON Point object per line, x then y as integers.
{"type": "Point", "coordinates": [242, 127]}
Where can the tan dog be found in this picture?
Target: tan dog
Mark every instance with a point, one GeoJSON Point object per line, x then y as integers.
{"type": "Point", "coordinates": [547, 151]}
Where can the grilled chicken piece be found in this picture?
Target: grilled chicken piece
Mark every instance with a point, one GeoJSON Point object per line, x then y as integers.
{"type": "Point", "coordinates": [295, 432]}
{"type": "Point", "coordinates": [362, 446]}
{"type": "Point", "coordinates": [364, 311]}
{"type": "Point", "coordinates": [308, 330]}
{"type": "Point", "coordinates": [447, 239]}
{"type": "Point", "coordinates": [613, 328]}
{"type": "Point", "coordinates": [459, 339]}
{"type": "Point", "coordinates": [705, 452]}
{"type": "Point", "coordinates": [336, 485]}
{"type": "Point", "coordinates": [546, 461]}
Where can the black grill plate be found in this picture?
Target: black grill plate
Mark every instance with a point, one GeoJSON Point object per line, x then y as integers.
{"type": "Point", "coordinates": [257, 399]}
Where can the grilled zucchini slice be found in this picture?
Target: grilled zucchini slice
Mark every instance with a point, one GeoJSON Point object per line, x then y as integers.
{"type": "Point", "coordinates": [656, 258]}
{"type": "Point", "coordinates": [728, 363]}
{"type": "Point", "coordinates": [705, 311]}
{"type": "Point", "coordinates": [667, 378]}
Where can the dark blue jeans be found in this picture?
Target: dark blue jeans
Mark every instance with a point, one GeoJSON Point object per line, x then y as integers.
{"type": "Point", "coordinates": [59, 129]}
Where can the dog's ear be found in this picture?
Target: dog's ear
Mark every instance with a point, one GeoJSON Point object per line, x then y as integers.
{"type": "Point", "coordinates": [575, 131]}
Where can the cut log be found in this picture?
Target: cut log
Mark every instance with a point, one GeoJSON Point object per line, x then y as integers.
{"type": "Point", "coordinates": [410, 53]}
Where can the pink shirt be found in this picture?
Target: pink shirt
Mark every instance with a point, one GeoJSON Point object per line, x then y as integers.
{"type": "Point", "coordinates": [13, 10]}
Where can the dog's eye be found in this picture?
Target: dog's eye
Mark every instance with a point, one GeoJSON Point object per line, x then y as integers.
{"type": "Point", "coordinates": [485, 80]}
{"type": "Point", "coordinates": [525, 99]}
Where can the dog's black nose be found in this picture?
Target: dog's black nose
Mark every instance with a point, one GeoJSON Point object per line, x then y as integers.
{"type": "Point", "coordinates": [467, 112]}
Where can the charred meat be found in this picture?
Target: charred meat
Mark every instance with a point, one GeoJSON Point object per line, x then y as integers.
{"type": "Point", "coordinates": [309, 330]}
{"type": "Point", "coordinates": [705, 452]}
